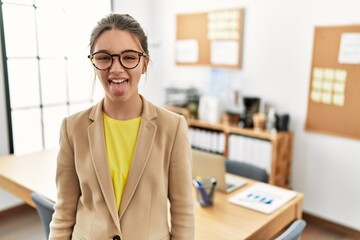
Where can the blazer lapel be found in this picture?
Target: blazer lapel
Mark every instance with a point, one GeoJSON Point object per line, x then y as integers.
{"type": "Point", "coordinates": [145, 140]}
{"type": "Point", "coordinates": [99, 160]}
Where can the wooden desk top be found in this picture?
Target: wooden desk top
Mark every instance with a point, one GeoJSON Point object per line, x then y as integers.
{"type": "Point", "coordinates": [24, 174]}
{"type": "Point", "coordinates": [227, 221]}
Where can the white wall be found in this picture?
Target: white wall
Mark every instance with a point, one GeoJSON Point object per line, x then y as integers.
{"type": "Point", "coordinates": [146, 14]}
{"type": "Point", "coordinates": [278, 41]}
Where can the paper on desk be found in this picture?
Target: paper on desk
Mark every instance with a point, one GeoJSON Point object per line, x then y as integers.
{"type": "Point", "coordinates": [263, 197]}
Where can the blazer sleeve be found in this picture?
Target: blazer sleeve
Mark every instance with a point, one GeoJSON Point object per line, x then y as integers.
{"type": "Point", "coordinates": [68, 190]}
{"type": "Point", "coordinates": [180, 187]}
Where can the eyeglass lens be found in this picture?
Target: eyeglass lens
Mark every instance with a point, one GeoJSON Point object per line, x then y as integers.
{"type": "Point", "coordinates": [103, 60]}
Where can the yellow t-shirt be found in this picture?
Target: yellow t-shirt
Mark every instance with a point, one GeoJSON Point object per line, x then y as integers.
{"type": "Point", "coordinates": [120, 138]}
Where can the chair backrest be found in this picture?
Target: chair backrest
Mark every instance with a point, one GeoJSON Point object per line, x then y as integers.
{"type": "Point", "coordinates": [246, 170]}
{"type": "Point", "coordinates": [294, 231]}
{"type": "Point", "coordinates": [45, 209]}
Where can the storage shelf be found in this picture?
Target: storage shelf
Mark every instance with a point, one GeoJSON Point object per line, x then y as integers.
{"type": "Point", "coordinates": [281, 144]}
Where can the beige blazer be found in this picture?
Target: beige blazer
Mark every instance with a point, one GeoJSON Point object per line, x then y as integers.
{"type": "Point", "coordinates": [160, 174]}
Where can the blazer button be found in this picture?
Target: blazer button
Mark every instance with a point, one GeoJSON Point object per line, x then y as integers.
{"type": "Point", "coordinates": [116, 237]}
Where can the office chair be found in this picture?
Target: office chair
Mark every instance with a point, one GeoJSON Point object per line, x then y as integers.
{"type": "Point", "coordinates": [45, 209]}
{"type": "Point", "coordinates": [294, 231]}
{"type": "Point", "coordinates": [246, 170]}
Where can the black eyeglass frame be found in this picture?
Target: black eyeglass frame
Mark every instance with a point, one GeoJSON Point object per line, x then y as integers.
{"type": "Point", "coordinates": [141, 54]}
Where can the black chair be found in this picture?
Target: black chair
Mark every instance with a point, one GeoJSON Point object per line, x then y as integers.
{"type": "Point", "coordinates": [45, 209]}
{"type": "Point", "coordinates": [246, 170]}
{"type": "Point", "coordinates": [294, 231]}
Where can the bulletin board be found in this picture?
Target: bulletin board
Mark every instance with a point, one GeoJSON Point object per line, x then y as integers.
{"type": "Point", "coordinates": [334, 89]}
{"type": "Point", "coordinates": [213, 39]}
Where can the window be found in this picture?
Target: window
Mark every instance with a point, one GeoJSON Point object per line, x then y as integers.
{"type": "Point", "coordinates": [47, 72]}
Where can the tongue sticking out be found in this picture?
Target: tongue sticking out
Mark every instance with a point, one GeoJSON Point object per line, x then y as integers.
{"type": "Point", "coordinates": [118, 88]}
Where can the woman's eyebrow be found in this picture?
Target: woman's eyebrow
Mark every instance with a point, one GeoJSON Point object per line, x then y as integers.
{"type": "Point", "coordinates": [126, 50]}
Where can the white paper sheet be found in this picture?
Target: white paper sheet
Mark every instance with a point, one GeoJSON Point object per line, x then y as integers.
{"type": "Point", "coordinates": [224, 52]}
{"type": "Point", "coordinates": [263, 197]}
{"type": "Point", "coordinates": [349, 51]}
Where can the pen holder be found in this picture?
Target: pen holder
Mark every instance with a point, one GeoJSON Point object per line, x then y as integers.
{"type": "Point", "coordinates": [205, 189]}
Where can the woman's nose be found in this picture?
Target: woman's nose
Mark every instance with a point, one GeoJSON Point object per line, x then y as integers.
{"type": "Point", "coordinates": [116, 65]}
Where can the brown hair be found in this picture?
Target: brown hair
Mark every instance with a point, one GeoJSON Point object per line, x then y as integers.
{"type": "Point", "coordinates": [122, 22]}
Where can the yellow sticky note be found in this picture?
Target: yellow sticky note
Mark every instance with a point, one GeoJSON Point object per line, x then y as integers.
{"type": "Point", "coordinates": [315, 96]}
{"type": "Point", "coordinates": [326, 98]}
{"type": "Point", "coordinates": [340, 75]}
{"type": "Point", "coordinates": [339, 99]}
{"type": "Point", "coordinates": [339, 87]}
{"type": "Point", "coordinates": [318, 73]}
{"type": "Point", "coordinates": [329, 74]}
{"type": "Point", "coordinates": [327, 86]}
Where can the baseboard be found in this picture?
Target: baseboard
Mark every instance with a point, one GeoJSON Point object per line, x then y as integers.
{"type": "Point", "coordinates": [331, 225]}
{"type": "Point", "coordinates": [15, 210]}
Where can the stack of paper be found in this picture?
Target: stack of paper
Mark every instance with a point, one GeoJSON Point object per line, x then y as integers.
{"type": "Point", "coordinates": [263, 197]}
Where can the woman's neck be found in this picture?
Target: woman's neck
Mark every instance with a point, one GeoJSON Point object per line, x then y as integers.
{"type": "Point", "coordinates": [123, 110]}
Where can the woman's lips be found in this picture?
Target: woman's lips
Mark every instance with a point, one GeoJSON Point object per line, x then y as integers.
{"type": "Point", "coordinates": [117, 80]}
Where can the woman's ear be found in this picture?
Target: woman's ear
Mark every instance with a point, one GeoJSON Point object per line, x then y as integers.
{"type": "Point", "coordinates": [146, 62]}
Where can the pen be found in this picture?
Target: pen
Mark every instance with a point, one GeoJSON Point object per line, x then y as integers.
{"type": "Point", "coordinates": [213, 182]}
{"type": "Point", "coordinates": [201, 189]}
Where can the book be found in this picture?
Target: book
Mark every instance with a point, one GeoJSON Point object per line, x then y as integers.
{"type": "Point", "coordinates": [263, 197]}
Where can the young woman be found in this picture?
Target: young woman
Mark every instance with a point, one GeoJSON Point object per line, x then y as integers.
{"type": "Point", "coordinates": [124, 165]}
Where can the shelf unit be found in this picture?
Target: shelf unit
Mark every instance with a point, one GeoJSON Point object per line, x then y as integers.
{"type": "Point", "coordinates": [281, 145]}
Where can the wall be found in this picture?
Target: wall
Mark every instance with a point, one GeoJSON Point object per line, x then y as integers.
{"type": "Point", "coordinates": [151, 85]}
{"type": "Point", "coordinates": [278, 40]}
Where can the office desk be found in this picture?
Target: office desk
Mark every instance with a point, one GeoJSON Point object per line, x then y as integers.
{"type": "Point", "coordinates": [21, 175]}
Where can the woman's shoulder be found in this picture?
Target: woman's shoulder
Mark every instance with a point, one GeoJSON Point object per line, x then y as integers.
{"type": "Point", "coordinates": [163, 114]}
{"type": "Point", "coordinates": [161, 117]}
{"type": "Point", "coordinates": [169, 121]}
{"type": "Point", "coordinates": [167, 113]}
{"type": "Point", "coordinates": [82, 115]}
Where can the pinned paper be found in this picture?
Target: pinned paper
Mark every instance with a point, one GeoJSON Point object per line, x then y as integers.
{"type": "Point", "coordinates": [328, 86]}
{"type": "Point", "coordinates": [224, 25]}
{"type": "Point", "coordinates": [349, 51]}
{"type": "Point", "coordinates": [340, 75]}
{"type": "Point", "coordinates": [224, 52]}
{"type": "Point", "coordinates": [315, 96]}
{"type": "Point", "coordinates": [338, 99]}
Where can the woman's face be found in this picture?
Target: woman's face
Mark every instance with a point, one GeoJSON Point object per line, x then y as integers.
{"type": "Point", "coordinates": [120, 84]}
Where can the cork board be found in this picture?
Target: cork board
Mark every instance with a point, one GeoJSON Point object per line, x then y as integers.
{"type": "Point", "coordinates": [334, 89]}
{"type": "Point", "coordinates": [213, 39]}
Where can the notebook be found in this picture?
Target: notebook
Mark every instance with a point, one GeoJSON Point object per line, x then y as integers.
{"type": "Point", "coordinates": [206, 164]}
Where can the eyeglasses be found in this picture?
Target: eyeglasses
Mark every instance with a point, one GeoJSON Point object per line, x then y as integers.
{"type": "Point", "coordinates": [129, 59]}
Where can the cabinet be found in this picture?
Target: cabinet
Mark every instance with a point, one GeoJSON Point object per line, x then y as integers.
{"type": "Point", "coordinates": [276, 147]}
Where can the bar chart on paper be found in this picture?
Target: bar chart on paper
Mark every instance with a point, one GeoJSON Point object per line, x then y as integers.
{"type": "Point", "coordinates": [263, 197]}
